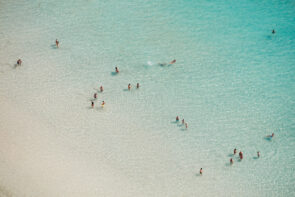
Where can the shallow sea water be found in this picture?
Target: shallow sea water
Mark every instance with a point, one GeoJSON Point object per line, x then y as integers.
{"type": "Point", "coordinates": [233, 83]}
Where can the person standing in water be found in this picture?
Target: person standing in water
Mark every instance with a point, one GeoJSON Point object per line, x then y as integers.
{"type": "Point", "coordinates": [19, 62]}
{"type": "Point", "coordinates": [201, 171]}
{"type": "Point", "coordinates": [117, 70]}
{"type": "Point", "coordinates": [241, 155]}
{"type": "Point", "coordinates": [258, 154]}
{"type": "Point", "coordinates": [92, 104]}
{"type": "Point", "coordinates": [231, 161]}
{"type": "Point", "coordinates": [177, 118]}
{"type": "Point", "coordinates": [186, 126]}
{"type": "Point", "coordinates": [235, 151]}
{"type": "Point", "coordinates": [56, 43]}
{"type": "Point", "coordinates": [182, 121]}
{"type": "Point", "coordinates": [95, 95]}
{"type": "Point", "coordinates": [102, 104]}
{"type": "Point", "coordinates": [101, 89]}
{"type": "Point", "coordinates": [137, 85]}
{"type": "Point", "coordinates": [129, 86]}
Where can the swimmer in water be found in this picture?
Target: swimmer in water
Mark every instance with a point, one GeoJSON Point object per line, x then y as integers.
{"type": "Point", "coordinates": [177, 118]}
{"type": "Point", "coordinates": [258, 154]}
{"type": "Point", "coordinates": [19, 62]}
{"type": "Point", "coordinates": [201, 171]}
{"type": "Point", "coordinates": [241, 155]}
{"type": "Point", "coordinates": [129, 86]}
{"type": "Point", "coordinates": [137, 85]}
{"type": "Point", "coordinates": [95, 95]}
{"type": "Point", "coordinates": [101, 89]}
{"type": "Point", "coordinates": [182, 121]}
{"type": "Point", "coordinates": [231, 161]}
{"type": "Point", "coordinates": [92, 104]}
{"type": "Point", "coordinates": [173, 61]}
{"type": "Point", "coordinates": [102, 104]}
{"type": "Point", "coordinates": [56, 43]}
{"type": "Point", "coordinates": [117, 70]}
{"type": "Point", "coordinates": [273, 31]}
{"type": "Point", "coordinates": [235, 151]}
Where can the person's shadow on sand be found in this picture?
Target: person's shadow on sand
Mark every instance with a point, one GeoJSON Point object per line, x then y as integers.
{"type": "Point", "coordinates": [15, 66]}
{"type": "Point", "coordinates": [114, 73]}
{"type": "Point", "coordinates": [53, 46]}
{"type": "Point", "coordinates": [268, 138]}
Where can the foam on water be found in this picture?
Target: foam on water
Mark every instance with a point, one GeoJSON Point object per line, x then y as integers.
{"type": "Point", "coordinates": [233, 82]}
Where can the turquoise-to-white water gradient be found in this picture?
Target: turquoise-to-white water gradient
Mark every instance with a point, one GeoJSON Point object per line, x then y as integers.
{"type": "Point", "coordinates": [233, 82]}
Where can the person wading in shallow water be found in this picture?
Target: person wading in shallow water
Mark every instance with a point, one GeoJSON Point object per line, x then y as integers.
{"type": "Point", "coordinates": [19, 62]}
{"type": "Point", "coordinates": [201, 171]}
{"type": "Point", "coordinates": [241, 155]}
{"type": "Point", "coordinates": [56, 43]}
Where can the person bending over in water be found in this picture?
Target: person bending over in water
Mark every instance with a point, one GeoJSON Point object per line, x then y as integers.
{"type": "Point", "coordinates": [231, 161]}
{"type": "Point", "coordinates": [56, 43]}
{"type": "Point", "coordinates": [92, 104]}
{"type": "Point", "coordinates": [173, 61]}
{"type": "Point", "coordinates": [137, 85]}
{"type": "Point", "coordinates": [19, 62]}
{"type": "Point", "coordinates": [201, 171]}
{"type": "Point", "coordinates": [117, 70]}
{"type": "Point", "coordinates": [101, 89]}
{"type": "Point", "coordinates": [129, 86]}
{"type": "Point", "coordinates": [235, 151]}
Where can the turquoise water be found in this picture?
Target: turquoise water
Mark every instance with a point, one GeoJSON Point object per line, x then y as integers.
{"type": "Point", "coordinates": [233, 82]}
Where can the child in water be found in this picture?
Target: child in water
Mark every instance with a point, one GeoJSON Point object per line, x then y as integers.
{"type": "Point", "coordinates": [102, 104]}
